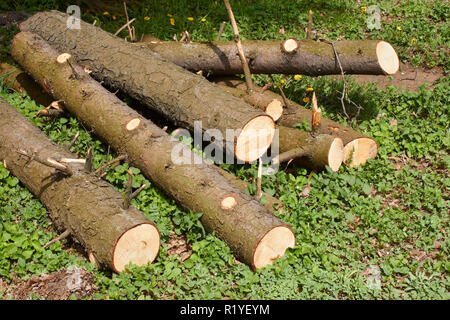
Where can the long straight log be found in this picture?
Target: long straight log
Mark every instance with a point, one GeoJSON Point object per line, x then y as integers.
{"type": "Point", "coordinates": [179, 95]}
{"type": "Point", "coordinates": [85, 206]}
{"type": "Point", "coordinates": [255, 235]}
{"type": "Point", "coordinates": [358, 148]}
{"type": "Point", "coordinates": [291, 56]}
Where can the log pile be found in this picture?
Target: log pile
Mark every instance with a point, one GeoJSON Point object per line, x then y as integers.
{"type": "Point", "coordinates": [247, 121]}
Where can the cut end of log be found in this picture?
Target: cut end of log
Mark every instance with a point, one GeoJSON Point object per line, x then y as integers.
{"type": "Point", "coordinates": [358, 151]}
{"type": "Point", "coordinates": [336, 154]}
{"type": "Point", "coordinates": [133, 124]}
{"type": "Point", "coordinates": [255, 138]}
{"type": "Point", "coordinates": [228, 203]}
{"type": "Point", "coordinates": [275, 109]}
{"type": "Point", "coordinates": [387, 57]}
{"type": "Point", "coordinates": [63, 57]}
{"type": "Point", "coordinates": [289, 45]}
{"type": "Point", "coordinates": [138, 245]}
{"type": "Point", "coordinates": [272, 246]}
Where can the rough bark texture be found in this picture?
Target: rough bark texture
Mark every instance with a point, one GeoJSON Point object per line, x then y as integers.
{"type": "Point", "coordinates": [18, 80]}
{"type": "Point", "coordinates": [294, 114]}
{"type": "Point", "coordinates": [198, 187]}
{"type": "Point", "coordinates": [271, 203]}
{"type": "Point", "coordinates": [266, 56]}
{"type": "Point", "coordinates": [83, 204]}
{"type": "Point", "coordinates": [181, 96]}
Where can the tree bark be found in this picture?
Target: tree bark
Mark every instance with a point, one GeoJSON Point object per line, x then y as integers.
{"type": "Point", "coordinates": [19, 81]}
{"type": "Point", "coordinates": [179, 95]}
{"type": "Point", "coordinates": [254, 234]}
{"type": "Point", "coordinates": [88, 207]}
{"type": "Point", "coordinates": [315, 151]}
{"type": "Point", "coordinates": [311, 57]}
{"type": "Point", "coordinates": [358, 148]}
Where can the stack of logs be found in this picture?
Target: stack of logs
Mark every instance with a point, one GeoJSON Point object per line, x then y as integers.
{"type": "Point", "coordinates": [67, 63]}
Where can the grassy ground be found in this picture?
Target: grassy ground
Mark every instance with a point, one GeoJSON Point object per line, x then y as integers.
{"type": "Point", "coordinates": [380, 231]}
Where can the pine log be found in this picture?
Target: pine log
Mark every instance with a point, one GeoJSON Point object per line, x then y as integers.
{"type": "Point", "coordinates": [358, 148]}
{"type": "Point", "coordinates": [85, 206]}
{"type": "Point", "coordinates": [19, 81]}
{"type": "Point", "coordinates": [179, 95]}
{"type": "Point", "coordinates": [290, 56]}
{"type": "Point", "coordinates": [255, 235]}
{"type": "Point", "coordinates": [312, 151]}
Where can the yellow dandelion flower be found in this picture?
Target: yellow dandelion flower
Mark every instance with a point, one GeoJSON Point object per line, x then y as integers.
{"type": "Point", "coordinates": [172, 21]}
{"type": "Point", "coordinates": [399, 28]}
{"type": "Point", "coordinates": [413, 40]}
{"type": "Point", "coordinates": [297, 77]}
{"type": "Point", "coordinates": [305, 99]}
{"type": "Point", "coordinates": [114, 17]}
{"type": "Point", "coordinates": [105, 13]}
{"type": "Point", "coordinates": [214, 28]}
{"type": "Point", "coordinates": [203, 20]}
{"type": "Point", "coordinates": [309, 89]}
{"type": "Point", "coordinates": [146, 18]}
{"type": "Point", "coordinates": [190, 18]}
{"type": "Point", "coordinates": [364, 9]}
{"type": "Point", "coordinates": [282, 81]}
{"type": "Point", "coordinates": [169, 15]}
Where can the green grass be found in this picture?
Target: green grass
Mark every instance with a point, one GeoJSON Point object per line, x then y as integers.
{"type": "Point", "coordinates": [378, 216]}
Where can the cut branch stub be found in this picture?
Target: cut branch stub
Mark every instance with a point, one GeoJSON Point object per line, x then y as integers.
{"type": "Point", "coordinates": [63, 57]}
{"type": "Point", "coordinates": [274, 109]}
{"type": "Point", "coordinates": [229, 202]}
{"type": "Point", "coordinates": [289, 45]}
{"type": "Point", "coordinates": [133, 124]}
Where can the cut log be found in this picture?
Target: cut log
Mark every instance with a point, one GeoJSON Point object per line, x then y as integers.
{"type": "Point", "coordinates": [19, 81]}
{"type": "Point", "coordinates": [358, 148]}
{"type": "Point", "coordinates": [179, 95]}
{"type": "Point", "coordinates": [316, 151]}
{"type": "Point", "coordinates": [254, 234]}
{"type": "Point", "coordinates": [290, 56]}
{"type": "Point", "coordinates": [89, 208]}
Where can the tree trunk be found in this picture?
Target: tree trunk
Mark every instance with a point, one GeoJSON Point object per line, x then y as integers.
{"type": "Point", "coordinates": [311, 57]}
{"type": "Point", "coordinates": [179, 95]}
{"type": "Point", "coordinates": [358, 148]}
{"type": "Point", "coordinates": [19, 81]}
{"type": "Point", "coordinates": [312, 151]}
{"type": "Point", "coordinates": [254, 234]}
{"type": "Point", "coordinates": [88, 207]}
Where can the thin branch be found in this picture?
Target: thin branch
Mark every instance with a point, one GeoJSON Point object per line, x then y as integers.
{"type": "Point", "coordinates": [124, 26]}
{"type": "Point", "coordinates": [344, 89]}
{"type": "Point", "coordinates": [134, 194]}
{"type": "Point", "coordinates": [63, 235]}
{"type": "Point", "coordinates": [289, 155]}
{"type": "Point", "coordinates": [222, 26]}
{"type": "Point", "coordinates": [49, 162]}
{"type": "Point", "coordinates": [259, 180]}
{"type": "Point", "coordinates": [89, 164]}
{"type": "Point", "coordinates": [237, 39]}
{"type": "Point", "coordinates": [126, 198]}
{"type": "Point", "coordinates": [309, 31]}
{"type": "Point", "coordinates": [103, 167]}
{"type": "Point", "coordinates": [72, 142]}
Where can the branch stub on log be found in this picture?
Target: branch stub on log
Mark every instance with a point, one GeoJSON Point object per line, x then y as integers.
{"type": "Point", "coordinates": [289, 45]}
